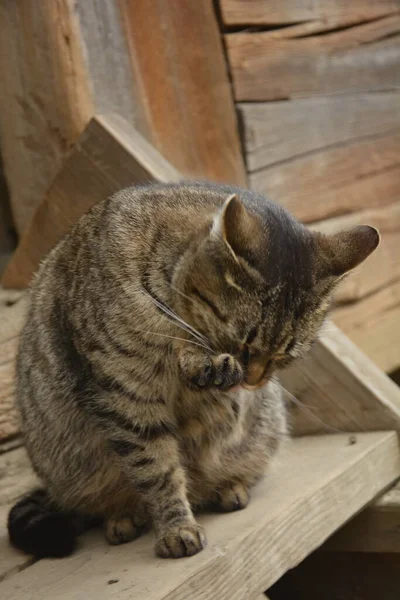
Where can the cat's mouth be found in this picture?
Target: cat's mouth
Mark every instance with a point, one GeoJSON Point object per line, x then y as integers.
{"type": "Point", "coordinates": [258, 372]}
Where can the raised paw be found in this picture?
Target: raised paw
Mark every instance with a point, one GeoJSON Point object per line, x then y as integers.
{"type": "Point", "coordinates": [233, 497]}
{"type": "Point", "coordinates": [222, 371]}
{"type": "Point", "coordinates": [182, 539]}
{"type": "Point", "coordinates": [120, 529]}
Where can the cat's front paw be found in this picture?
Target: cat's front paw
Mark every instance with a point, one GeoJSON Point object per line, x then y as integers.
{"type": "Point", "coordinates": [222, 371]}
{"type": "Point", "coordinates": [181, 539]}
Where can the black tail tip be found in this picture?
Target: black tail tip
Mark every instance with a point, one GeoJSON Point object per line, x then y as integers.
{"type": "Point", "coordinates": [44, 535]}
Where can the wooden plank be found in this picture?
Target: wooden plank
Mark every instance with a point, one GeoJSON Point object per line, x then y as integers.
{"type": "Point", "coordinates": [16, 478]}
{"type": "Point", "coordinates": [12, 312]}
{"type": "Point", "coordinates": [259, 12]}
{"type": "Point", "coordinates": [355, 176]}
{"type": "Point", "coordinates": [341, 388]}
{"type": "Point", "coordinates": [307, 495]}
{"type": "Point", "coordinates": [46, 99]}
{"type": "Point", "coordinates": [184, 89]}
{"type": "Point", "coordinates": [109, 155]}
{"type": "Point", "coordinates": [281, 131]}
{"type": "Point", "coordinates": [358, 59]}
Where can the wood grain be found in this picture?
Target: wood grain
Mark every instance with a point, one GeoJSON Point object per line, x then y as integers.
{"type": "Point", "coordinates": [12, 313]}
{"type": "Point", "coordinates": [358, 59]}
{"type": "Point", "coordinates": [340, 179]}
{"type": "Point", "coordinates": [340, 388]}
{"type": "Point", "coordinates": [308, 494]}
{"type": "Point", "coordinates": [46, 99]}
{"type": "Point", "coordinates": [278, 12]}
{"type": "Point", "coordinates": [108, 156]}
{"type": "Point", "coordinates": [282, 131]}
{"type": "Point", "coordinates": [181, 76]}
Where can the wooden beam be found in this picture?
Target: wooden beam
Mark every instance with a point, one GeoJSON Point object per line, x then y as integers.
{"type": "Point", "coordinates": [357, 59]}
{"type": "Point", "coordinates": [46, 99]}
{"type": "Point", "coordinates": [283, 12]}
{"type": "Point", "coordinates": [340, 388]}
{"type": "Point", "coordinates": [306, 496]}
{"type": "Point", "coordinates": [282, 131]}
{"type": "Point", "coordinates": [108, 156]}
{"type": "Point", "coordinates": [180, 71]}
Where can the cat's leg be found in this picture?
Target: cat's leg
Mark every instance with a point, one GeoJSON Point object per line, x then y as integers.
{"type": "Point", "coordinates": [201, 371]}
{"type": "Point", "coordinates": [148, 453]}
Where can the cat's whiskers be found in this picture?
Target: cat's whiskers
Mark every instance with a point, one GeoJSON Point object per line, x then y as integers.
{"type": "Point", "coordinates": [172, 337]}
{"type": "Point", "coordinates": [179, 322]}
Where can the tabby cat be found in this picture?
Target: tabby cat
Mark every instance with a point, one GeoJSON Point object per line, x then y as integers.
{"type": "Point", "coordinates": [144, 373]}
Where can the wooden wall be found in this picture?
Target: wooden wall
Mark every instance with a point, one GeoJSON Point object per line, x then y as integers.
{"type": "Point", "coordinates": [317, 85]}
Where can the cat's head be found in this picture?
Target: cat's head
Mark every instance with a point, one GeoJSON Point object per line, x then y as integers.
{"type": "Point", "coordinates": [258, 284]}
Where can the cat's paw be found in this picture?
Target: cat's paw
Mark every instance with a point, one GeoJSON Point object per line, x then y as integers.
{"type": "Point", "coordinates": [222, 371]}
{"type": "Point", "coordinates": [120, 529]}
{"type": "Point", "coordinates": [233, 497]}
{"type": "Point", "coordinates": [181, 539]}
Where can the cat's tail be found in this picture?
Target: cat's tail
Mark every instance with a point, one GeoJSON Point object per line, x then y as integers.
{"type": "Point", "coordinates": [36, 527]}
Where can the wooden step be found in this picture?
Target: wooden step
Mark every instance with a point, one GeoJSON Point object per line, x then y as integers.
{"type": "Point", "coordinates": [316, 485]}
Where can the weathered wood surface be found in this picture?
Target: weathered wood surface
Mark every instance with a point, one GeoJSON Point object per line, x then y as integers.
{"type": "Point", "coordinates": [46, 99]}
{"type": "Point", "coordinates": [357, 59]}
{"type": "Point", "coordinates": [361, 174]}
{"type": "Point", "coordinates": [308, 494]}
{"type": "Point", "coordinates": [282, 131]}
{"type": "Point", "coordinates": [12, 311]}
{"type": "Point", "coordinates": [282, 12]}
{"type": "Point", "coordinates": [108, 156]}
{"type": "Point", "coordinates": [340, 388]}
{"type": "Point", "coordinates": [180, 72]}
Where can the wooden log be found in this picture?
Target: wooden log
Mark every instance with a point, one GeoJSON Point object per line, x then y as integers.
{"type": "Point", "coordinates": [382, 268]}
{"type": "Point", "coordinates": [358, 59]}
{"type": "Point", "coordinates": [282, 131]}
{"type": "Point", "coordinates": [46, 99]}
{"type": "Point", "coordinates": [307, 495]}
{"type": "Point", "coordinates": [108, 156]}
{"type": "Point", "coordinates": [338, 388]}
{"type": "Point", "coordinates": [279, 12]}
{"type": "Point", "coordinates": [179, 68]}
{"type": "Point", "coordinates": [361, 174]}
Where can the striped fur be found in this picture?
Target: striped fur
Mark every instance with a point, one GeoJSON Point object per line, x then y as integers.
{"type": "Point", "coordinates": [148, 326]}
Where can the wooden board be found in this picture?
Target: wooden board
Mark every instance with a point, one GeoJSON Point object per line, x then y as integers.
{"type": "Point", "coordinates": [340, 388]}
{"type": "Point", "coordinates": [109, 155]}
{"type": "Point", "coordinates": [282, 131]}
{"type": "Point", "coordinates": [181, 76]}
{"type": "Point", "coordinates": [278, 12]}
{"type": "Point", "coordinates": [46, 99]}
{"type": "Point", "coordinates": [12, 313]}
{"type": "Point", "coordinates": [346, 178]}
{"type": "Point", "coordinates": [307, 495]}
{"type": "Point", "coordinates": [360, 58]}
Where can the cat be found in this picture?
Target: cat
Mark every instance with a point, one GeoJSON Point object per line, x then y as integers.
{"type": "Point", "coordinates": [145, 371]}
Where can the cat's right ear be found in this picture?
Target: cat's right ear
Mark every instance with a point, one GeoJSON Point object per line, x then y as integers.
{"type": "Point", "coordinates": [236, 227]}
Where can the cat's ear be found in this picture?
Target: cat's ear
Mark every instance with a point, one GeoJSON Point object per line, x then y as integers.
{"type": "Point", "coordinates": [236, 227]}
{"type": "Point", "coordinates": [342, 252]}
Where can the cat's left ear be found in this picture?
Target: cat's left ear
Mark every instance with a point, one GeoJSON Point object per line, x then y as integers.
{"type": "Point", "coordinates": [237, 227]}
{"type": "Point", "coordinates": [342, 252]}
